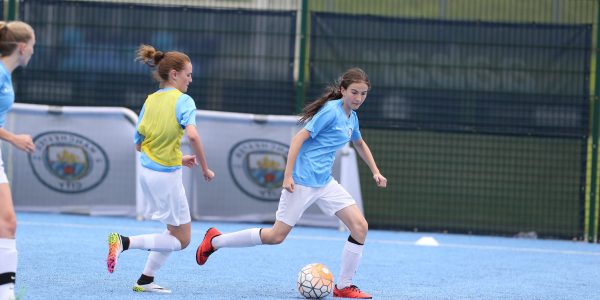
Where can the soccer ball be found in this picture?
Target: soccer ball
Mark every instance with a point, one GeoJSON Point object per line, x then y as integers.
{"type": "Point", "coordinates": [315, 281]}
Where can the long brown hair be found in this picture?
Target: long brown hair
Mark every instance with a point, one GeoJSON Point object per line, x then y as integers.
{"type": "Point", "coordinates": [161, 62]}
{"type": "Point", "coordinates": [12, 33]}
{"type": "Point", "coordinates": [333, 91]}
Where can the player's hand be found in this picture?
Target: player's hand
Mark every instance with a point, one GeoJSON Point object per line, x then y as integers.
{"type": "Point", "coordinates": [380, 180]}
{"type": "Point", "coordinates": [208, 174]}
{"type": "Point", "coordinates": [288, 184]}
{"type": "Point", "coordinates": [24, 142]}
{"type": "Point", "coordinates": [189, 161]}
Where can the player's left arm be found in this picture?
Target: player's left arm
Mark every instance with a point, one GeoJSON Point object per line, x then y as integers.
{"type": "Point", "coordinates": [185, 109]}
{"type": "Point", "coordinates": [365, 153]}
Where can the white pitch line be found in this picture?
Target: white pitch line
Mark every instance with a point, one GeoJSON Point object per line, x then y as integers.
{"type": "Point", "coordinates": [324, 238]}
{"type": "Point", "coordinates": [72, 225]}
{"type": "Point", "coordinates": [463, 246]}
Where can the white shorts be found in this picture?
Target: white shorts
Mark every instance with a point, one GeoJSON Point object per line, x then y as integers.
{"type": "Point", "coordinates": [330, 198]}
{"type": "Point", "coordinates": [164, 197]}
{"type": "Point", "coordinates": [3, 178]}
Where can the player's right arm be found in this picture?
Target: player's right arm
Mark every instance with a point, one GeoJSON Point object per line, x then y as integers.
{"type": "Point", "coordinates": [138, 138]}
{"type": "Point", "coordinates": [295, 145]}
{"type": "Point", "coordinates": [21, 141]}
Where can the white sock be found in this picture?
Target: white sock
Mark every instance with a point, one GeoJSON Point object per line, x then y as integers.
{"type": "Point", "coordinates": [243, 238]}
{"type": "Point", "coordinates": [350, 260]}
{"type": "Point", "coordinates": [8, 264]}
{"type": "Point", "coordinates": [155, 261]}
{"type": "Point", "coordinates": [155, 242]}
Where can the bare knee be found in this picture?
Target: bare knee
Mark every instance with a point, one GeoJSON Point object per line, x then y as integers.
{"type": "Point", "coordinates": [182, 233]}
{"type": "Point", "coordinates": [359, 229]}
{"type": "Point", "coordinates": [183, 238]}
{"type": "Point", "coordinates": [274, 241]}
{"type": "Point", "coordinates": [8, 226]}
{"type": "Point", "coordinates": [184, 242]}
{"type": "Point", "coordinates": [272, 238]}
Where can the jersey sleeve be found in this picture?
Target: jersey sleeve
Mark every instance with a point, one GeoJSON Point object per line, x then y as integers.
{"type": "Point", "coordinates": [322, 119]}
{"type": "Point", "coordinates": [356, 131]}
{"type": "Point", "coordinates": [186, 111]}
{"type": "Point", "coordinates": [138, 138]}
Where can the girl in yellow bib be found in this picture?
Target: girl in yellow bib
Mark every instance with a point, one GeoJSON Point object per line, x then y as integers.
{"type": "Point", "coordinates": [165, 116]}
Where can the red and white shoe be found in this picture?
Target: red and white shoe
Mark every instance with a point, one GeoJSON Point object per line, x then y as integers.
{"type": "Point", "coordinates": [350, 292]}
{"type": "Point", "coordinates": [206, 249]}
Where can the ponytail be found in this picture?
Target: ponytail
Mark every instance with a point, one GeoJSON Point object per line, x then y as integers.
{"type": "Point", "coordinates": [161, 62]}
{"type": "Point", "coordinates": [331, 92]}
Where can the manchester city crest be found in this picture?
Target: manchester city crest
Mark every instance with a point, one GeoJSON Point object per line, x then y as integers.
{"type": "Point", "coordinates": [257, 168]}
{"type": "Point", "coordinates": [67, 162]}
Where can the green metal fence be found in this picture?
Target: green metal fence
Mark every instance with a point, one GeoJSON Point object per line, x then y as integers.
{"type": "Point", "coordinates": [482, 113]}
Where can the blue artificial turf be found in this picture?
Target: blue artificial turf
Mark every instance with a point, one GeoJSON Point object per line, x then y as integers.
{"type": "Point", "coordinates": [63, 257]}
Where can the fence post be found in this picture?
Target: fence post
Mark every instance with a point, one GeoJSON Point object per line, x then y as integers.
{"type": "Point", "coordinates": [12, 10]}
{"type": "Point", "coordinates": [300, 81]}
{"type": "Point", "coordinates": [593, 232]}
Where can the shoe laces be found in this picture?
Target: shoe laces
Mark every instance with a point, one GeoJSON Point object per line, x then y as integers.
{"type": "Point", "coordinates": [352, 287]}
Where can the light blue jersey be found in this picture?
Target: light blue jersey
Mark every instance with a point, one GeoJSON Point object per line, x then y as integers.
{"type": "Point", "coordinates": [185, 111]}
{"type": "Point", "coordinates": [7, 94]}
{"type": "Point", "coordinates": [330, 130]}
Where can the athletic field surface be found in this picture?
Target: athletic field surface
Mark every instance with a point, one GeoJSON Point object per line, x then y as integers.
{"type": "Point", "coordinates": [63, 256]}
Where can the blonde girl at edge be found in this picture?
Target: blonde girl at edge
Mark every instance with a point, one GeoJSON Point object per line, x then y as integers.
{"type": "Point", "coordinates": [16, 47]}
{"type": "Point", "coordinates": [165, 116]}
{"type": "Point", "coordinates": [330, 123]}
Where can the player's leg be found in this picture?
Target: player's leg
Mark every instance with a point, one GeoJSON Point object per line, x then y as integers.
{"type": "Point", "coordinates": [254, 236]}
{"type": "Point", "coordinates": [165, 202]}
{"type": "Point", "coordinates": [8, 249]}
{"type": "Point", "coordinates": [213, 239]}
{"type": "Point", "coordinates": [353, 218]}
{"type": "Point", "coordinates": [8, 219]}
{"type": "Point", "coordinates": [334, 199]}
{"type": "Point", "coordinates": [276, 234]}
{"type": "Point", "coordinates": [161, 242]}
{"type": "Point", "coordinates": [156, 259]}
{"type": "Point", "coordinates": [146, 281]}
{"type": "Point", "coordinates": [290, 209]}
{"type": "Point", "coordinates": [173, 239]}
{"type": "Point", "coordinates": [182, 232]}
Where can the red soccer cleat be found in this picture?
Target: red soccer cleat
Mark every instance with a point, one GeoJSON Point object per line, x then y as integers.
{"type": "Point", "coordinates": [350, 292]}
{"type": "Point", "coordinates": [206, 249]}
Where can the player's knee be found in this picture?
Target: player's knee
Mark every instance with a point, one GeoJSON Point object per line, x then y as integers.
{"type": "Point", "coordinates": [277, 240]}
{"type": "Point", "coordinates": [360, 229]}
{"type": "Point", "coordinates": [365, 227]}
{"type": "Point", "coordinates": [274, 239]}
{"type": "Point", "coordinates": [184, 242]}
{"type": "Point", "coordinates": [8, 226]}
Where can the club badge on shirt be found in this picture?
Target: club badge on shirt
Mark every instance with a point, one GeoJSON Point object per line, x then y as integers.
{"type": "Point", "coordinates": [6, 89]}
